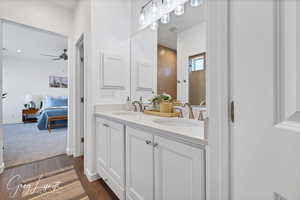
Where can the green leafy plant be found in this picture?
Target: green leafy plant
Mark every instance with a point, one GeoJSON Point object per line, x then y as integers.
{"type": "Point", "coordinates": [164, 97]}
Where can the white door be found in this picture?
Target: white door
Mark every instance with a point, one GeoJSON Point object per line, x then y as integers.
{"type": "Point", "coordinates": [179, 171]}
{"type": "Point", "coordinates": [102, 129]}
{"type": "Point", "coordinates": [1, 111]}
{"type": "Point", "coordinates": [144, 64]}
{"type": "Point", "coordinates": [116, 154]}
{"type": "Point", "coordinates": [265, 159]}
{"type": "Point", "coordinates": [139, 165]}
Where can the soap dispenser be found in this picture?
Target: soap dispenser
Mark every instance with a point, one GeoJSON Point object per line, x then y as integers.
{"type": "Point", "coordinates": [128, 104]}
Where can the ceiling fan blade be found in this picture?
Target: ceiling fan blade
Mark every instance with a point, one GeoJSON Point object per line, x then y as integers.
{"type": "Point", "coordinates": [56, 59]}
{"type": "Point", "coordinates": [48, 55]}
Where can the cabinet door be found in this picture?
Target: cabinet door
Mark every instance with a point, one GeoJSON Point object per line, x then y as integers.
{"type": "Point", "coordinates": [102, 129]}
{"type": "Point", "coordinates": [139, 165]}
{"type": "Point", "coordinates": [179, 171]}
{"type": "Point", "coordinates": [116, 157]}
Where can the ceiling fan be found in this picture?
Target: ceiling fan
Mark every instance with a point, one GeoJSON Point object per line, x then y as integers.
{"type": "Point", "coordinates": [63, 56]}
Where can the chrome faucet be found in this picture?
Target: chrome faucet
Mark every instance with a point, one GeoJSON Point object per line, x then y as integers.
{"type": "Point", "coordinates": [180, 111]}
{"type": "Point", "coordinates": [191, 113]}
{"type": "Point", "coordinates": [201, 116]}
{"type": "Point", "coordinates": [140, 105]}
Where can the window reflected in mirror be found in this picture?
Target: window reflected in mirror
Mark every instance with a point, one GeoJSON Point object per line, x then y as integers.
{"type": "Point", "coordinates": [197, 79]}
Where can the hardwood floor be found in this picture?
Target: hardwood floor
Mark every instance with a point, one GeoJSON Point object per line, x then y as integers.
{"type": "Point", "coordinates": [96, 190]}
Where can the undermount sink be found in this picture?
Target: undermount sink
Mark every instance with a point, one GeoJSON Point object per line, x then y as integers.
{"type": "Point", "coordinates": [124, 113]}
{"type": "Point", "coordinates": [178, 122]}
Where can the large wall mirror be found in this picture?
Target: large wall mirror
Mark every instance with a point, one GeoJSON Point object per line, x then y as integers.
{"type": "Point", "coordinates": [287, 76]}
{"type": "Point", "coordinates": [181, 56]}
{"type": "Point", "coordinates": [170, 55]}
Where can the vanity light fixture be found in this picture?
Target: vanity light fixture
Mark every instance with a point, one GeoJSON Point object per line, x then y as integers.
{"type": "Point", "coordinates": [142, 20]}
{"type": "Point", "coordinates": [167, 3]}
{"type": "Point", "coordinates": [195, 3]}
{"type": "Point", "coordinates": [154, 25]}
{"type": "Point", "coordinates": [165, 18]}
{"type": "Point", "coordinates": [154, 9]}
{"type": "Point", "coordinates": [179, 10]}
{"type": "Point", "coordinates": [163, 8]}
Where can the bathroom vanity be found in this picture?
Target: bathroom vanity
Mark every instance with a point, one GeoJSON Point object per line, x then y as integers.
{"type": "Point", "coordinates": [143, 157]}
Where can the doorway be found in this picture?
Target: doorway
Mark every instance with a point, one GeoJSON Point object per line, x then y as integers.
{"type": "Point", "coordinates": [35, 86]}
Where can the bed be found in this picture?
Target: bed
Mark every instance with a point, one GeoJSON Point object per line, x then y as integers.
{"type": "Point", "coordinates": [54, 113]}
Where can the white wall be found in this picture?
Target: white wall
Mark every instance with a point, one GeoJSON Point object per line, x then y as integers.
{"type": "Point", "coordinates": [82, 26]}
{"type": "Point", "coordinates": [47, 16]}
{"type": "Point", "coordinates": [110, 32]}
{"type": "Point", "coordinates": [189, 42]}
{"type": "Point", "coordinates": [22, 76]}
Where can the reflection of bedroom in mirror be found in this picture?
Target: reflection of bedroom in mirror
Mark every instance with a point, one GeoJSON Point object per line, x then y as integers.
{"type": "Point", "coordinates": [181, 57]}
{"type": "Point", "coordinates": [35, 108]}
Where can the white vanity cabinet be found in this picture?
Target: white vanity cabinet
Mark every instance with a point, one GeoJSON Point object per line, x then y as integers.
{"type": "Point", "coordinates": [139, 165]}
{"type": "Point", "coordinates": [157, 167]}
{"type": "Point", "coordinates": [162, 169]}
{"type": "Point", "coordinates": [179, 171]}
{"type": "Point", "coordinates": [110, 146]}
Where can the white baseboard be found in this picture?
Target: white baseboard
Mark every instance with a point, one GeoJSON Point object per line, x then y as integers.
{"type": "Point", "coordinates": [91, 176]}
{"type": "Point", "coordinates": [2, 168]}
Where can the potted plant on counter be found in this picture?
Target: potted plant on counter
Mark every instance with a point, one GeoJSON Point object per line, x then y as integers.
{"type": "Point", "coordinates": [162, 103]}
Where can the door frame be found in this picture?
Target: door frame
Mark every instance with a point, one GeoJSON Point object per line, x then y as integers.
{"type": "Point", "coordinates": [77, 139]}
{"type": "Point", "coordinates": [70, 136]}
{"type": "Point", "coordinates": [218, 101]}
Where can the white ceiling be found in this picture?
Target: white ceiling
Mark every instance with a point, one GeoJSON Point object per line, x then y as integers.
{"type": "Point", "coordinates": [32, 42]}
{"type": "Point", "coordinates": [190, 18]}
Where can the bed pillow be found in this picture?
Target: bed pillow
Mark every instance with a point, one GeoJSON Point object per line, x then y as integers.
{"type": "Point", "coordinates": [55, 102]}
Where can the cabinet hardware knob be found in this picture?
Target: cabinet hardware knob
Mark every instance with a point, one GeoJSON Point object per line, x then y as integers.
{"type": "Point", "coordinates": [106, 125]}
{"type": "Point", "coordinates": [155, 145]}
{"type": "Point", "coordinates": [148, 142]}
{"type": "Point", "coordinates": [184, 81]}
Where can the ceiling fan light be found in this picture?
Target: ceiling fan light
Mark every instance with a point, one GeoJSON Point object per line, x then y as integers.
{"type": "Point", "coordinates": [154, 25]}
{"type": "Point", "coordinates": [179, 10]}
{"type": "Point", "coordinates": [195, 3]}
{"type": "Point", "coordinates": [165, 18]}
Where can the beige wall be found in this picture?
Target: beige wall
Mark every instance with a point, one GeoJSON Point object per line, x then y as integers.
{"type": "Point", "coordinates": [167, 71]}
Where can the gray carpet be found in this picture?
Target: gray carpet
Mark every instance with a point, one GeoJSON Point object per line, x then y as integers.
{"type": "Point", "coordinates": [25, 143]}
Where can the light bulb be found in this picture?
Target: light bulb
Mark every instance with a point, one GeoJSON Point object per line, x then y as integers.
{"type": "Point", "coordinates": [154, 26]}
{"type": "Point", "coordinates": [179, 10]}
{"type": "Point", "coordinates": [142, 20]}
{"type": "Point", "coordinates": [154, 9]}
{"type": "Point", "coordinates": [167, 4]}
{"type": "Point", "coordinates": [195, 3]}
{"type": "Point", "coordinates": [165, 18]}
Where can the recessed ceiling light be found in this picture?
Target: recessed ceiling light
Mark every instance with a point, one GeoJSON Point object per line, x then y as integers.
{"type": "Point", "coordinates": [19, 51]}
